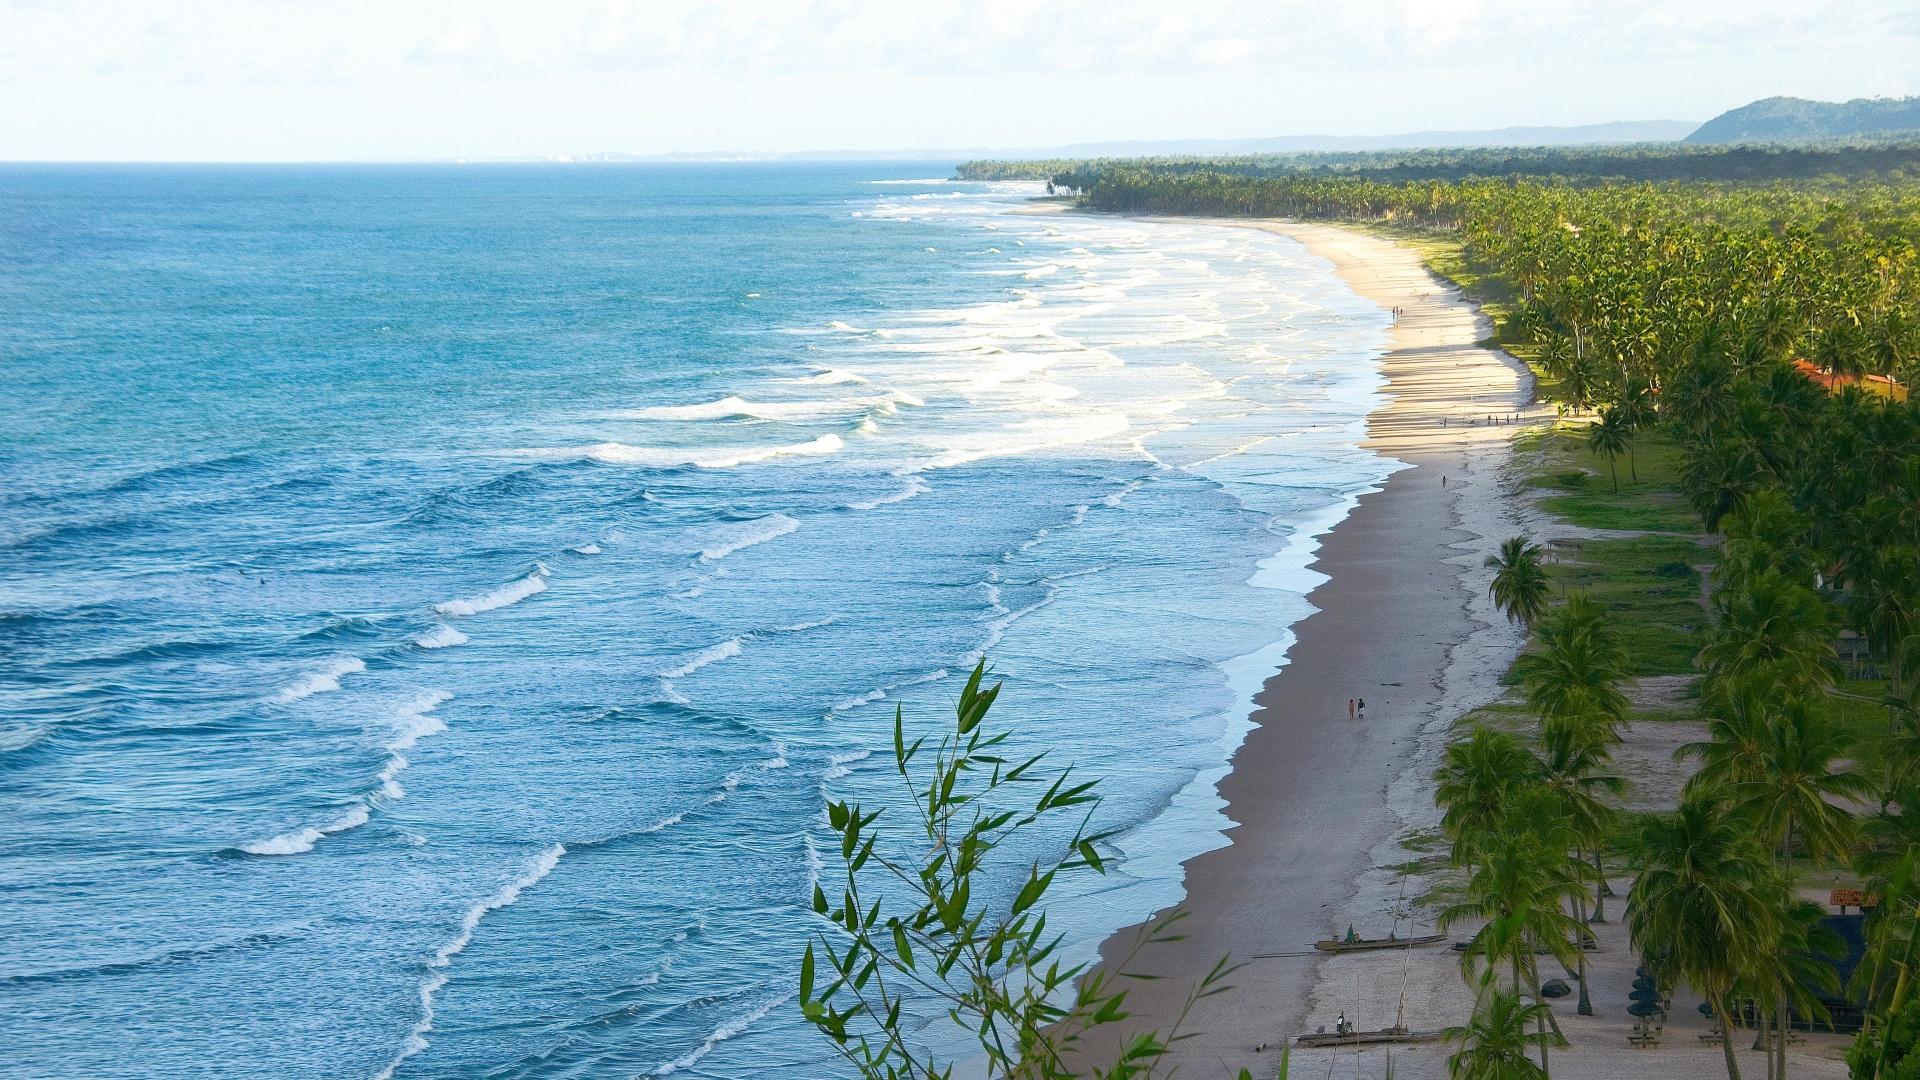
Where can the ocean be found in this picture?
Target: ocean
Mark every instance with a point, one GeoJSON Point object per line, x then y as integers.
{"type": "Point", "coordinates": [438, 601]}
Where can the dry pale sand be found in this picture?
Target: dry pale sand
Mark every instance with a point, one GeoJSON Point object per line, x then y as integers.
{"type": "Point", "coordinates": [1320, 800]}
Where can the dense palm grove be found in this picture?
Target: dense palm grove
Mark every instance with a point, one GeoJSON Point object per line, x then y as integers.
{"type": "Point", "coordinates": [1678, 309]}
{"type": "Point", "coordinates": [1892, 158]}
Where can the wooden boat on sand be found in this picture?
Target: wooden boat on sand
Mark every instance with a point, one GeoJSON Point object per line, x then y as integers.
{"type": "Point", "coordinates": [1337, 945]}
{"type": "Point", "coordinates": [1367, 1038]}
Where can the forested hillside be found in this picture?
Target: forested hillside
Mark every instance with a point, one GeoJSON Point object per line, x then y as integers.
{"type": "Point", "coordinates": [1787, 119]}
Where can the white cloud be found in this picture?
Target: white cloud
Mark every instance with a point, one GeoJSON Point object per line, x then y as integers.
{"type": "Point", "coordinates": [95, 78]}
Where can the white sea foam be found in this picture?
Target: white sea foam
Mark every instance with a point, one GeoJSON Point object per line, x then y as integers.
{"type": "Point", "coordinates": [849, 704]}
{"type": "Point", "coordinates": [915, 485]}
{"type": "Point", "coordinates": [665, 457]}
{"type": "Point", "coordinates": [713, 654]}
{"type": "Point", "coordinates": [832, 376]}
{"type": "Point", "coordinates": [302, 840]}
{"type": "Point", "coordinates": [441, 637]}
{"type": "Point", "coordinates": [414, 722]}
{"type": "Point", "coordinates": [837, 763]}
{"type": "Point", "coordinates": [469, 924]}
{"type": "Point", "coordinates": [745, 534]}
{"type": "Point", "coordinates": [586, 549]}
{"type": "Point", "coordinates": [734, 407]}
{"type": "Point", "coordinates": [324, 680]}
{"type": "Point", "coordinates": [503, 596]}
{"type": "Point", "coordinates": [719, 1035]}
{"type": "Point", "coordinates": [1030, 436]}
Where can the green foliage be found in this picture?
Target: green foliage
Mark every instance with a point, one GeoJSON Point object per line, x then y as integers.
{"type": "Point", "coordinates": [1651, 594]}
{"type": "Point", "coordinates": [1700, 910]}
{"type": "Point", "coordinates": [1572, 678]}
{"type": "Point", "coordinates": [1658, 162]}
{"type": "Point", "coordinates": [912, 922]}
{"type": "Point", "coordinates": [1890, 1052]}
{"type": "Point", "coordinates": [1494, 1044]}
{"type": "Point", "coordinates": [1519, 587]}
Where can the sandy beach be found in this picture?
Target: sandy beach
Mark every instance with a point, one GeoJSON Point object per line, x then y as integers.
{"type": "Point", "coordinates": [1320, 799]}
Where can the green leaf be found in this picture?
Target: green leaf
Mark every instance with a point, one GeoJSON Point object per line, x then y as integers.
{"type": "Point", "coordinates": [901, 947]}
{"type": "Point", "coordinates": [806, 976]}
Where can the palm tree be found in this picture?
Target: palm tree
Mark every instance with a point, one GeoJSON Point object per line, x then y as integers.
{"type": "Point", "coordinates": [1890, 870]}
{"type": "Point", "coordinates": [1519, 587]}
{"type": "Point", "coordinates": [1719, 478]}
{"type": "Point", "coordinates": [1700, 909]}
{"type": "Point", "coordinates": [1609, 435]}
{"type": "Point", "coordinates": [1766, 533]}
{"type": "Point", "coordinates": [1494, 1044]}
{"type": "Point", "coordinates": [1797, 969]}
{"type": "Point", "coordinates": [1471, 787]}
{"type": "Point", "coordinates": [1798, 790]}
{"type": "Point", "coordinates": [1739, 714]}
{"type": "Point", "coordinates": [1576, 672]}
{"type": "Point", "coordinates": [1572, 763]}
{"type": "Point", "coordinates": [1518, 894]}
{"type": "Point", "coordinates": [1772, 626]}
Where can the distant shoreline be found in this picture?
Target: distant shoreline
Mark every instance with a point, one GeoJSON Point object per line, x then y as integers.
{"type": "Point", "coordinates": [1319, 800]}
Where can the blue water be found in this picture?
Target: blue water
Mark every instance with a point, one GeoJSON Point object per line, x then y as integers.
{"type": "Point", "coordinates": [435, 602]}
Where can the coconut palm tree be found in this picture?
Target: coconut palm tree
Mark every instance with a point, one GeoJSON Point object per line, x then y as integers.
{"type": "Point", "coordinates": [1890, 869]}
{"type": "Point", "coordinates": [1766, 533]}
{"type": "Point", "coordinates": [1573, 761]}
{"type": "Point", "coordinates": [1719, 477]}
{"type": "Point", "coordinates": [1519, 587]}
{"type": "Point", "coordinates": [1576, 672]}
{"type": "Point", "coordinates": [1517, 896]}
{"type": "Point", "coordinates": [1472, 785]}
{"type": "Point", "coordinates": [1700, 910]}
{"type": "Point", "coordinates": [1494, 1044]}
{"type": "Point", "coordinates": [1610, 436]}
{"type": "Point", "coordinates": [1774, 627]}
{"type": "Point", "coordinates": [1739, 714]}
{"type": "Point", "coordinates": [1798, 789]}
{"type": "Point", "coordinates": [1795, 970]}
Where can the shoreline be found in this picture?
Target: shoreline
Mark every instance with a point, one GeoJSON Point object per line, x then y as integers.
{"type": "Point", "coordinates": [1317, 802]}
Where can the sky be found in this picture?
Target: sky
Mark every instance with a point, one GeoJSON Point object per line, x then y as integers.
{"type": "Point", "coordinates": [317, 80]}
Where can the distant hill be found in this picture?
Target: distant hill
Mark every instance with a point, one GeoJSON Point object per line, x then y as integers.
{"type": "Point", "coordinates": [1787, 119]}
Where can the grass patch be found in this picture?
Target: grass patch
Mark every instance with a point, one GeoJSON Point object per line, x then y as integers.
{"type": "Point", "coordinates": [1583, 488]}
{"type": "Point", "coordinates": [1650, 584]}
{"type": "Point", "coordinates": [1857, 707]}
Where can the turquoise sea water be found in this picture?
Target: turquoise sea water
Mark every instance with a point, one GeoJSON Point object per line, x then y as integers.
{"type": "Point", "coordinates": [437, 601]}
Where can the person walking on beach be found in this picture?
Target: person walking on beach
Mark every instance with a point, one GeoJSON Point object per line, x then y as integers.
{"type": "Point", "coordinates": [1350, 709]}
{"type": "Point", "coordinates": [1363, 707]}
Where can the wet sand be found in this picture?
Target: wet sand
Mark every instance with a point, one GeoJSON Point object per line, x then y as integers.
{"type": "Point", "coordinates": [1319, 799]}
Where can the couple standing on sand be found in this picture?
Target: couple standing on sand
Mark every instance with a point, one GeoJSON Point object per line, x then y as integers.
{"type": "Point", "coordinates": [1356, 707]}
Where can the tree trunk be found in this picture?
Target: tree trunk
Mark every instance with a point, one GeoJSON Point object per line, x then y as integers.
{"type": "Point", "coordinates": [1601, 893]}
{"type": "Point", "coordinates": [1585, 1007]}
{"type": "Point", "coordinates": [1786, 1025]}
{"type": "Point", "coordinates": [1726, 1038]}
